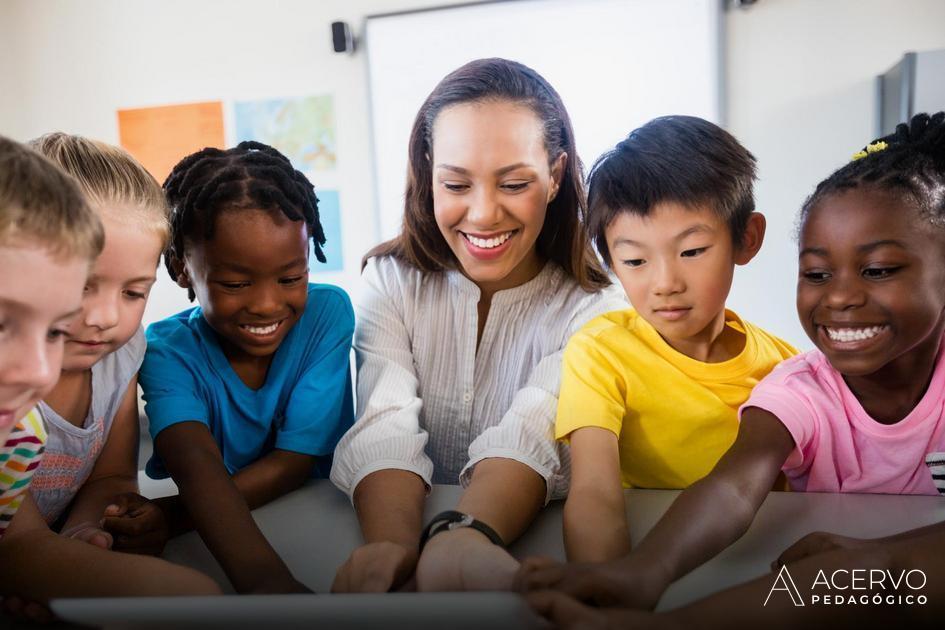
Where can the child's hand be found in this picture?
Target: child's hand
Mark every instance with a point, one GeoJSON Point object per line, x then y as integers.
{"type": "Point", "coordinates": [91, 533]}
{"type": "Point", "coordinates": [604, 584]}
{"type": "Point", "coordinates": [816, 543]}
{"type": "Point", "coordinates": [566, 613]}
{"type": "Point", "coordinates": [375, 568]}
{"type": "Point", "coordinates": [137, 524]}
{"type": "Point", "coordinates": [464, 560]}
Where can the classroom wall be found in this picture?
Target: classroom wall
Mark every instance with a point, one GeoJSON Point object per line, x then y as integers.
{"type": "Point", "coordinates": [798, 92]}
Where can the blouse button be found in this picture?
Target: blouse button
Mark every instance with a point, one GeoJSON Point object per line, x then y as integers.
{"type": "Point", "coordinates": [467, 397]}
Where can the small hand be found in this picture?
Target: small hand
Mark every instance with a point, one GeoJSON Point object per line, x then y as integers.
{"type": "Point", "coordinates": [816, 543]}
{"type": "Point", "coordinates": [137, 524]}
{"type": "Point", "coordinates": [91, 533]}
{"type": "Point", "coordinates": [604, 584]}
{"type": "Point", "coordinates": [375, 568]}
{"type": "Point", "coordinates": [567, 613]}
{"type": "Point", "coordinates": [465, 560]}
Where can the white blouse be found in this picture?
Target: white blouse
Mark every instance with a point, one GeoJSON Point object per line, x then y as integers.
{"type": "Point", "coordinates": [428, 402]}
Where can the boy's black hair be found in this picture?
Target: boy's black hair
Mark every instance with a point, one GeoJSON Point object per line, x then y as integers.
{"type": "Point", "coordinates": [251, 175]}
{"type": "Point", "coordinates": [678, 159]}
{"type": "Point", "coordinates": [911, 159]}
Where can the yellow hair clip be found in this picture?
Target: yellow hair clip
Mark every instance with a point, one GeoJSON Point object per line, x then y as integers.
{"type": "Point", "coordinates": [875, 147]}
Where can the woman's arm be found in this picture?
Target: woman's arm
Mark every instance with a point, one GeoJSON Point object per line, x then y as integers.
{"type": "Point", "coordinates": [381, 461]}
{"type": "Point", "coordinates": [39, 565]}
{"type": "Point", "coordinates": [389, 504]}
{"type": "Point", "coordinates": [595, 518]}
{"type": "Point", "coordinates": [219, 511]}
{"type": "Point", "coordinates": [116, 469]}
{"type": "Point", "coordinates": [504, 494]}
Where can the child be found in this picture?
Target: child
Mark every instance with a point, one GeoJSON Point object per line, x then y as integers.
{"type": "Point", "coordinates": [92, 413]}
{"type": "Point", "coordinates": [48, 237]}
{"type": "Point", "coordinates": [863, 411]}
{"type": "Point", "coordinates": [649, 395]}
{"type": "Point", "coordinates": [246, 391]}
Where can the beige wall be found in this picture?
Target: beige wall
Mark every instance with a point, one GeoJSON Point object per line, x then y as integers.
{"type": "Point", "coordinates": [799, 92]}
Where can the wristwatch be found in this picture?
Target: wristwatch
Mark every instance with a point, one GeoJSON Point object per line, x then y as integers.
{"type": "Point", "coordinates": [450, 520]}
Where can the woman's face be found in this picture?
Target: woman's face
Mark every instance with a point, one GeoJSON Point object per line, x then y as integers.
{"type": "Point", "coordinates": [492, 183]}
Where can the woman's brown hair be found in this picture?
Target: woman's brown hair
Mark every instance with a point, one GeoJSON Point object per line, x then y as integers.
{"type": "Point", "coordinates": [562, 239]}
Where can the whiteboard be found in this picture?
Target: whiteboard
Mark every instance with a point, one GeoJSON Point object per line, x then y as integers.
{"type": "Point", "coordinates": [615, 63]}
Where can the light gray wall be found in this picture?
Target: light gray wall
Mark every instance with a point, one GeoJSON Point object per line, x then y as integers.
{"type": "Point", "coordinates": [799, 92]}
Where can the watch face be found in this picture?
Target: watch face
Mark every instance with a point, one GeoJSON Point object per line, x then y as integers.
{"type": "Point", "coordinates": [465, 521]}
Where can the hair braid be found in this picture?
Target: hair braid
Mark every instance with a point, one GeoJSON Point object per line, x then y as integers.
{"type": "Point", "coordinates": [251, 175]}
{"type": "Point", "coordinates": [911, 159]}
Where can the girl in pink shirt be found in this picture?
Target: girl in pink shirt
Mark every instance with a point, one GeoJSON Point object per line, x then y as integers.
{"type": "Point", "coordinates": [861, 413]}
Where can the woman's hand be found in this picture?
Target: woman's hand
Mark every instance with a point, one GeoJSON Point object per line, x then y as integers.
{"type": "Point", "coordinates": [465, 560]}
{"type": "Point", "coordinates": [375, 568]}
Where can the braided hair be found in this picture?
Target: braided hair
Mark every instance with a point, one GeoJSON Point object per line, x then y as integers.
{"type": "Point", "coordinates": [911, 159]}
{"type": "Point", "coordinates": [252, 175]}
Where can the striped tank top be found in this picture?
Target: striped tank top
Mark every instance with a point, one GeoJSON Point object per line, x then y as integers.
{"type": "Point", "coordinates": [19, 458]}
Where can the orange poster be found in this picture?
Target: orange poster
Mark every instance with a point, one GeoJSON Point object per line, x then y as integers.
{"type": "Point", "coordinates": [160, 136]}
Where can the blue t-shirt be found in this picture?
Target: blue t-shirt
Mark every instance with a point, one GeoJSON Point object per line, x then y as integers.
{"type": "Point", "coordinates": [305, 405]}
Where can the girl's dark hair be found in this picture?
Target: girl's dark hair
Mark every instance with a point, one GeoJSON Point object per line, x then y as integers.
{"type": "Point", "coordinates": [911, 160]}
{"type": "Point", "coordinates": [252, 175]}
{"type": "Point", "coordinates": [562, 238]}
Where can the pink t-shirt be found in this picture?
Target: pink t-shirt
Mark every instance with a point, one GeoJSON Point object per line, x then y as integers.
{"type": "Point", "coordinates": [838, 446]}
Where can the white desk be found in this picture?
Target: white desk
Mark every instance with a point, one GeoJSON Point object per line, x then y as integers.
{"type": "Point", "coordinates": [315, 528]}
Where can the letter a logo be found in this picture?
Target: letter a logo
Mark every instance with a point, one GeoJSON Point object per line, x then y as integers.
{"type": "Point", "coordinates": [784, 582]}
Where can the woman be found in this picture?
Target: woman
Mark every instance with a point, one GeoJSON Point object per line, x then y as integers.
{"type": "Point", "coordinates": [461, 330]}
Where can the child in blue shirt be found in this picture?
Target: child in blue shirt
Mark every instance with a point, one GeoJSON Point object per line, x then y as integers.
{"type": "Point", "coordinates": [247, 391]}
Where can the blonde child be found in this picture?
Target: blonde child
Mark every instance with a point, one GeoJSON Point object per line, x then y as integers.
{"type": "Point", "coordinates": [48, 237]}
{"type": "Point", "coordinates": [861, 413]}
{"type": "Point", "coordinates": [89, 471]}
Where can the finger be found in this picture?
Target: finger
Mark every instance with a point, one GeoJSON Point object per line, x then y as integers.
{"type": "Point", "coordinates": [561, 610]}
{"type": "Point", "coordinates": [118, 506]}
{"type": "Point", "coordinates": [101, 539]}
{"type": "Point", "coordinates": [376, 582]}
{"type": "Point", "coordinates": [541, 579]}
{"type": "Point", "coordinates": [128, 525]}
{"type": "Point", "coordinates": [528, 567]}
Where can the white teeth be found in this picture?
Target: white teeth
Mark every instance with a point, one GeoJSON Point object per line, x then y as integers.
{"type": "Point", "coordinates": [853, 334]}
{"type": "Point", "coordinates": [488, 243]}
{"type": "Point", "coordinates": [264, 330]}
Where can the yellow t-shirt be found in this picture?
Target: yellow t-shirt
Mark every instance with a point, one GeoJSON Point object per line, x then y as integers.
{"type": "Point", "coordinates": [674, 416]}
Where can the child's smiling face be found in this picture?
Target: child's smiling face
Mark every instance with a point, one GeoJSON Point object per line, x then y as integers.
{"type": "Point", "coordinates": [251, 279]}
{"type": "Point", "coordinates": [871, 281]}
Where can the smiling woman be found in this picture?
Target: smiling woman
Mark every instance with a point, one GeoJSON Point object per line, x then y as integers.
{"type": "Point", "coordinates": [461, 331]}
